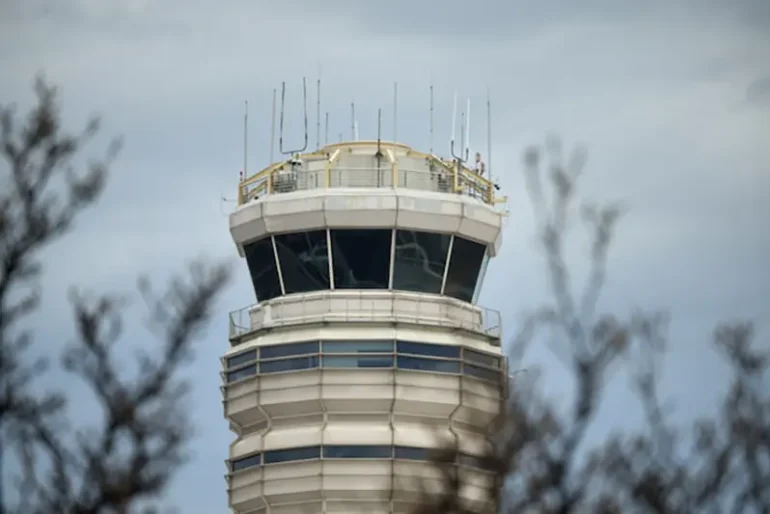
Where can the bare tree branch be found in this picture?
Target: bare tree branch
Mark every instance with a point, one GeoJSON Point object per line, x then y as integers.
{"type": "Point", "coordinates": [125, 462]}
{"type": "Point", "coordinates": [540, 452]}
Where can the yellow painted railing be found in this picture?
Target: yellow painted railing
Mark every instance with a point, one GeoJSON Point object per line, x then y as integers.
{"type": "Point", "coordinates": [439, 175]}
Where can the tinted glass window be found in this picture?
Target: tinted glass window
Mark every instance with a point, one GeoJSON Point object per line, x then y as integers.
{"type": "Point", "coordinates": [264, 273]}
{"type": "Point", "coordinates": [419, 261]}
{"type": "Point", "coordinates": [483, 373]}
{"type": "Point", "coordinates": [361, 258]}
{"type": "Point", "coordinates": [370, 361]}
{"type": "Point", "coordinates": [434, 350]}
{"type": "Point", "coordinates": [309, 452]}
{"type": "Point", "coordinates": [287, 350]}
{"type": "Point", "coordinates": [475, 462]}
{"type": "Point", "coordinates": [356, 452]}
{"type": "Point", "coordinates": [304, 261]}
{"type": "Point", "coordinates": [296, 363]}
{"type": "Point", "coordinates": [482, 358]}
{"type": "Point", "coordinates": [464, 268]}
{"type": "Point", "coordinates": [411, 453]}
{"type": "Point", "coordinates": [242, 358]}
{"type": "Point", "coordinates": [428, 365]}
{"type": "Point", "coordinates": [246, 462]}
{"type": "Point", "coordinates": [238, 374]}
{"type": "Point", "coordinates": [357, 346]}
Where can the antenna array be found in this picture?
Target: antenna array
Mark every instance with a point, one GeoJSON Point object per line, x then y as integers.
{"type": "Point", "coordinates": [461, 154]}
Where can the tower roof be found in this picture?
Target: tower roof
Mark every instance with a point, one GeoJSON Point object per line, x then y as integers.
{"type": "Point", "coordinates": [368, 164]}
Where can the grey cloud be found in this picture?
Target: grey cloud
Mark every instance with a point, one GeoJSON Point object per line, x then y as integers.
{"type": "Point", "coordinates": [758, 91]}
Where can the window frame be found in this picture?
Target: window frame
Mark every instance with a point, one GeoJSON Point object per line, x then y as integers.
{"type": "Point", "coordinates": [397, 354]}
{"type": "Point", "coordinates": [320, 453]}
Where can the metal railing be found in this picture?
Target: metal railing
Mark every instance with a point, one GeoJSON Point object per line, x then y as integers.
{"type": "Point", "coordinates": [366, 306]}
{"type": "Point", "coordinates": [312, 171]}
{"type": "Point", "coordinates": [283, 181]}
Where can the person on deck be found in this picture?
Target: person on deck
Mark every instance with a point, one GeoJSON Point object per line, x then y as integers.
{"type": "Point", "coordinates": [479, 166]}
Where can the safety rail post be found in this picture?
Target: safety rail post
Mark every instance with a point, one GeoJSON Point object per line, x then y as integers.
{"type": "Point", "coordinates": [240, 193]}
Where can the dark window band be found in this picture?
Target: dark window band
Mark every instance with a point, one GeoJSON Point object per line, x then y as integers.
{"type": "Point", "coordinates": [378, 354]}
{"type": "Point", "coordinates": [423, 262]}
{"type": "Point", "coordinates": [347, 451]}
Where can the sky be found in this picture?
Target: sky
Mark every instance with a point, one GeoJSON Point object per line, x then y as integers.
{"type": "Point", "coordinates": [671, 100]}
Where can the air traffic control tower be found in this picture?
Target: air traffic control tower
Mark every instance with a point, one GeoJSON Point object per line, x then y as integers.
{"type": "Point", "coordinates": [365, 350]}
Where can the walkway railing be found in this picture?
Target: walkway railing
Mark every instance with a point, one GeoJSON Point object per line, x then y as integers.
{"type": "Point", "coordinates": [320, 172]}
{"type": "Point", "coordinates": [366, 306]}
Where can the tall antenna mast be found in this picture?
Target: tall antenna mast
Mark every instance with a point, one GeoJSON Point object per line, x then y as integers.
{"type": "Point", "coordinates": [489, 137]}
{"type": "Point", "coordinates": [378, 155]}
{"type": "Point", "coordinates": [318, 112]}
{"type": "Point", "coordinates": [353, 121]}
{"type": "Point", "coordinates": [458, 157]}
{"type": "Point", "coordinates": [431, 119]}
{"type": "Point", "coordinates": [283, 103]}
{"type": "Point", "coordinates": [326, 130]}
{"type": "Point", "coordinates": [245, 138]}
{"type": "Point", "coordinates": [395, 112]}
{"type": "Point", "coordinates": [468, 129]}
{"type": "Point", "coordinates": [272, 130]}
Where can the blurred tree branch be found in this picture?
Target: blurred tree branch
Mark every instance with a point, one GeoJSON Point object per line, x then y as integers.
{"type": "Point", "coordinates": [541, 453]}
{"type": "Point", "coordinates": [127, 461]}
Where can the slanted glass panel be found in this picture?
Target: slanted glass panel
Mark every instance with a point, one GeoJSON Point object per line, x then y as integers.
{"type": "Point", "coordinates": [483, 373]}
{"type": "Point", "coordinates": [238, 374]}
{"type": "Point", "coordinates": [264, 273]}
{"type": "Point", "coordinates": [356, 452]}
{"type": "Point", "coordinates": [481, 358]}
{"type": "Point", "coordinates": [433, 350]}
{"type": "Point", "coordinates": [419, 261]}
{"type": "Point", "coordinates": [294, 364]}
{"type": "Point", "coordinates": [428, 365]}
{"type": "Point", "coordinates": [246, 462]}
{"type": "Point", "coordinates": [288, 350]}
{"type": "Point", "coordinates": [361, 258]}
{"type": "Point", "coordinates": [305, 453]}
{"type": "Point", "coordinates": [241, 358]}
{"type": "Point", "coordinates": [304, 261]}
{"type": "Point", "coordinates": [464, 269]}
{"type": "Point", "coordinates": [367, 361]}
{"type": "Point", "coordinates": [358, 346]}
{"type": "Point", "coordinates": [412, 453]}
{"type": "Point", "coordinates": [473, 461]}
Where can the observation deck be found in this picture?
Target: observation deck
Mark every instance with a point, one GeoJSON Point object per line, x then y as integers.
{"type": "Point", "coordinates": [365, 350]}
{"type": "Point", "coordinates": [368, 164]}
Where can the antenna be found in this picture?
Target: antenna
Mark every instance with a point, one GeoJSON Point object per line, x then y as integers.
{"type": "Point", "coordinates": [489, 138]}
{"type": "Point", "coordinates": [272, 130]}
{"type": "Point", "coordinates": [395, 112]}
{"type": "Point", "coordinates": [431, 119]}
{"type": "Point", "coordinates": [318, 112]}
{"type": "Point", "coordinates": [462, 136]}
{"type": "Point", "coordinates": [283, 101]}
{"type": "Point", "coordinates": [459, 157]}
{"type": "Point", "coordinates": [245, 136]}
{"type": "Point", "coordinates": [378, 155]}
{"type": "Point", "coordinates": [353, 121]}
{"type": "Point", "coordinates": [326, 130]}
{"type": "Point", "coordinates": [468, 129]}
